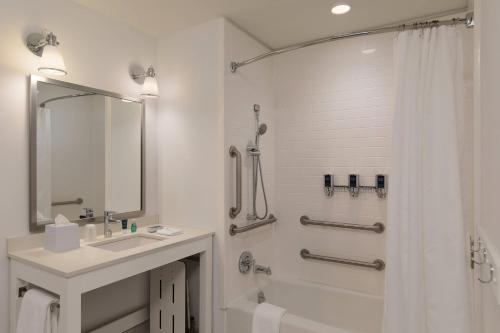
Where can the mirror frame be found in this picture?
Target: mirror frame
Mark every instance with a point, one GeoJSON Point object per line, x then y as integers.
{"type": "Point", "coordinates": [33, 105]}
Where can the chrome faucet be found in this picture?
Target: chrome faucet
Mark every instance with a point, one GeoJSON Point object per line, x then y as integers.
{"type": "Point", "coordinates": [108, 218]}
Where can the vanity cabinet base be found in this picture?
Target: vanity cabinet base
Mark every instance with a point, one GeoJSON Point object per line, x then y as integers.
{"type": "Point", "coordinates": [70, 288]}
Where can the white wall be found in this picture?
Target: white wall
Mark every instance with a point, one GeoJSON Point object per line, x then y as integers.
{"type": "Point", "coordinates": [334, 115]}
{"type": "Point", "coordinates": [487, 155]}
{"type": "Point", "coordinates": [490, 118]}
{"type": "Point", "coordinates": [250, 85]}
{"type": "Point", "coordinates": [191, 136]}
{"type": "Point", "coordinates": [190, 125]}
{"type": "Point", "coordinates": [98, 53]}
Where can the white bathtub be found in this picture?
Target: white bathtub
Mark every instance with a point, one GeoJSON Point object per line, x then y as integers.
{"type": "Point", "coordinates": [310, 309]}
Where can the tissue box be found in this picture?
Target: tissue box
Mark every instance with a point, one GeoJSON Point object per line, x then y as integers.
{"type": "Point", "coordinates": [62, 237]}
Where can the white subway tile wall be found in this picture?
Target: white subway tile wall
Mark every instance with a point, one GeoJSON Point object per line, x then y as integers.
{"type": "Point", "coordinates": [334, 107]}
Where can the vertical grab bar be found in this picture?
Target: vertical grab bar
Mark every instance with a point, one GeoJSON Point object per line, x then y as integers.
{"type": "Point", "coordinates": [234, 211]}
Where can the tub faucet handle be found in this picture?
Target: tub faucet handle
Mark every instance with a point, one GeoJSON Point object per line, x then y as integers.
{"type": "Point", "coordinates": [246, 262]}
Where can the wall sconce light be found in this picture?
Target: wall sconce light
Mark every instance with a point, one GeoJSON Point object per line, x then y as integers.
{"type": "Point", "coordinates": [150, 85]}
{"type": "Point", "coordinates": [45, 46]}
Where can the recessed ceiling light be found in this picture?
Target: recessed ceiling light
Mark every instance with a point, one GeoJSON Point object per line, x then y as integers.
{"type": "Point", "coordinates": [341, 8]}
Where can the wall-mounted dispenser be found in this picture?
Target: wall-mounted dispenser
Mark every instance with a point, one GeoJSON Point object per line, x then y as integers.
{"type": "Point", "coordinates": [328, 185]}
{"type": "Point", "coordinates": [354, 185]}
{"type": "Point", "coordinates": [381, 186]}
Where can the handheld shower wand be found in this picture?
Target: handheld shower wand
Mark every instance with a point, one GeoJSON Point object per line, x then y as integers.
{"type": "Point", "coordinates": [261, 128]}
{"type": "Point", "coordinates": [254, 152]}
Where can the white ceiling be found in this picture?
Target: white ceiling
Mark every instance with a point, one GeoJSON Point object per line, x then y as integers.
{"type": "Point", "coordinates": [276, 23]}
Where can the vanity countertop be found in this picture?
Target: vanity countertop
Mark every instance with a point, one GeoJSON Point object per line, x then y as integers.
{"type": "Point", "coordinates": [88, 258]}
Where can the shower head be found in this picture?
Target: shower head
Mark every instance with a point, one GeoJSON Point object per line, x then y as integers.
{"type": "Point", "coordinates": [262, 129]}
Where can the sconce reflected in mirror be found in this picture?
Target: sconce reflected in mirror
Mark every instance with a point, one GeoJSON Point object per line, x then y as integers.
{"type": "Point", "coordinates": [149, 85]}
{"type": "Point", "coordinates": [46, 46]}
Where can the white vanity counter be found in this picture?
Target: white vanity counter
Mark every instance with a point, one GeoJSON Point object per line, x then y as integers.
{"type": "Point", "coordinates": [73, 273]}
{"type": "Point", "coordinates": [87, 257]}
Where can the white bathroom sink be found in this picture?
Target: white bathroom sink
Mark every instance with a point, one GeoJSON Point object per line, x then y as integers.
{"type": "Point", "coordinates": [126, 242]}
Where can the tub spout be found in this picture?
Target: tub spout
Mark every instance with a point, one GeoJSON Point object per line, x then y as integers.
{"type": "Point", "coordinates": [262, 269]}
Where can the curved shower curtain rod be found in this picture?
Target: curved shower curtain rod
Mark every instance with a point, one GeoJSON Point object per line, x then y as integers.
{"type": "Point", "coordinates": [468, 20]}
{"type": "Point", "coordinates": [42, 105]}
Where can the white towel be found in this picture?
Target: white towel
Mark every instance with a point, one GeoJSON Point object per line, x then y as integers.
{"type": "Point", "coordinates": [35, 315]}
{"type": "Point", "coordinates": [267, 318]}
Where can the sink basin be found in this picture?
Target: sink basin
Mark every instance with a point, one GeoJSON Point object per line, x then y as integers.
{"type": "Point", "coordinates": [126, 242]}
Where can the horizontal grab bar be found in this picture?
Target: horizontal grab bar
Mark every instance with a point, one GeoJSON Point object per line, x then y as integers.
{"type": "Point", "coordinates": [78, 201]}
{"type": "Point", "coordinates": [377, 264]}
{"type": "Point", "coordinates": [234, 229]}
{"type": "Point", "coordinates": [376, 227]}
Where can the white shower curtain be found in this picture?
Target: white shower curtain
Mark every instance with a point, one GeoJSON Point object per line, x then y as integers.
{"type": "Point", "coordinates": [426, 278]}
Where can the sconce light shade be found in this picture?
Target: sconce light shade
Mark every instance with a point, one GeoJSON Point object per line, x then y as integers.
{"type": "Point", "coordinates": [150, 88]}
{"type": "Point", "coordinates": [150, 84]}
{"type": "Point", "coordinates": [52, 62]}
{"type": "Point", "coordinates": [45, 46]}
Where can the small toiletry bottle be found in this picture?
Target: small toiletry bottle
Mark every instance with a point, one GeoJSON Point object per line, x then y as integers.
{"type": "Point", "coordinates": [89, 233]}
{"type": "Point", "coordinates": [133, 227]}
{"type": "Point", "coordinates": [124, 224]}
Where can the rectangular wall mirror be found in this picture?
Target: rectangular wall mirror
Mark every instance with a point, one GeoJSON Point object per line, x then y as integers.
{"type": "Point", "coordinates": [86, 153]}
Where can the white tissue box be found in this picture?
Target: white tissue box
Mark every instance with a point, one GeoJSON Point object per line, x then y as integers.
{"type": "Point", "coordinates": [62, 237]}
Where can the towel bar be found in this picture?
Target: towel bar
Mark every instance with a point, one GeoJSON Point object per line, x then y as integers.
{"type": "Point", "coordinates": [22, 290]}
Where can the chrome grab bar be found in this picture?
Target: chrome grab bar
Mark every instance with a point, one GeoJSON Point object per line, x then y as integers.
{"type": "Point", "coordinates": [234, 229]}
{"type": "Point", "coordinates": [78, 201]}
{"type": "Point", "coordinates": [377, 264]}
{"type": "Point", "coordinates": [376, 227]}
{"type": "Point", "coordinates": [234, 211]}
